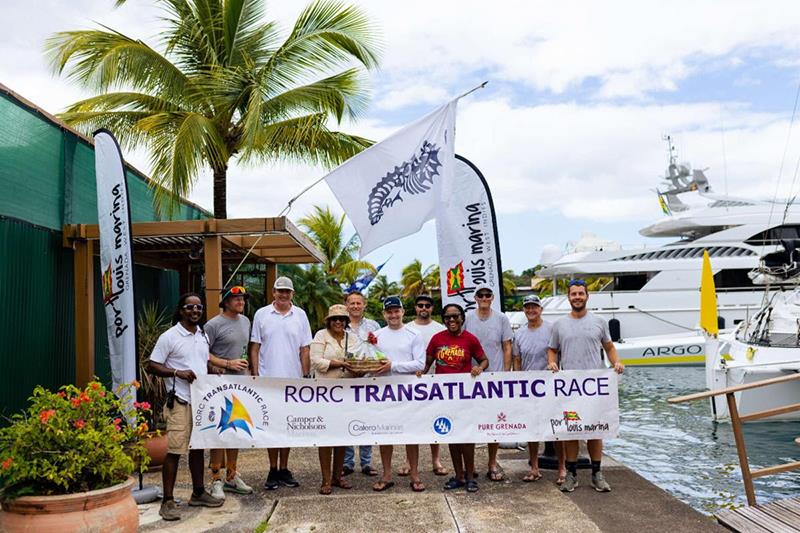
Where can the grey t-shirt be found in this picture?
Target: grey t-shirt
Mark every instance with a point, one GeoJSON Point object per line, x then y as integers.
{"type": "Point", "coordinates": [531, 346]}
{"type": "Point", "coordinates": [580, 341]}
{"type": "Point", "coordinates": [491, 332]}
{"type": "Point", "coordinates": [228, 338]}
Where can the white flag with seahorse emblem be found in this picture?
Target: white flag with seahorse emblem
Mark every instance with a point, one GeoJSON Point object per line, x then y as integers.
{"type": "Point", "coordinates": [393, 187]}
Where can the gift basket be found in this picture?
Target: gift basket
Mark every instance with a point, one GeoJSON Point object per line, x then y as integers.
{"type": "Point", "coordinates": [363, 356]}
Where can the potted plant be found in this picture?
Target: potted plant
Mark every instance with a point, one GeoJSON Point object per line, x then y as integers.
{"type": "Point", "coordinates": [152, 322]}
{"type": "Point", "coordinates": [65, 463]}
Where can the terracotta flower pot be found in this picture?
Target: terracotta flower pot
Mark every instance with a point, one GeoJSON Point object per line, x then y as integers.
{"type": "Point", "coordinates": [110, 509]}
{"type": "Point", "coordinates": [156, 449]}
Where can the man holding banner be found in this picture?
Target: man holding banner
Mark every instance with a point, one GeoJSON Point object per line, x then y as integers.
{"type": "Point", "coordinates": [406, 355]}
{"type": "Point", "coordinates": [580, 338]}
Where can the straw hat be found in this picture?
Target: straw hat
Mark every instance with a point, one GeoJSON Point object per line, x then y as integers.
{"type": "Point", "coordinates": [337, 310]}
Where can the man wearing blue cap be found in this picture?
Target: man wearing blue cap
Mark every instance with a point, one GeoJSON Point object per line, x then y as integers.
{"type": "Point", "coordinates": [406, 355]}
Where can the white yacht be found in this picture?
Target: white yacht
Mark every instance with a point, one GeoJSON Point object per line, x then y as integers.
{"type": "Point", "coordinates": [653, 292]}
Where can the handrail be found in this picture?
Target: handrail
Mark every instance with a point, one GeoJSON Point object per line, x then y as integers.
{"type": "Point", "coordinates": [738, 434]}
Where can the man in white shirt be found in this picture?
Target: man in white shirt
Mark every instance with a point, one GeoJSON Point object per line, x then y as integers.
{"type": "Point", "coordinates": [279, 348]}
{"type": "Point", "coordinates": [179, 356]}
{"type": "Point", "coordinates": [493, 330]}
{"type": "Point", "coordinates": [361, 326]}
{"type": "Point", "coordinates": [427, 328]}
{"type": "Point", "coordinates": [406, 355]}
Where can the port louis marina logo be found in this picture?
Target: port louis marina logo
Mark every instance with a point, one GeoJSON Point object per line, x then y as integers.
{"type": "Point", "coordinates": [233, 413]}
{"type": "Point", "coordinates": [414, 176]}
{"type": "Point", "coordinates": [571, 422]}
{"type": "Point", "coordinates": [502, 426]}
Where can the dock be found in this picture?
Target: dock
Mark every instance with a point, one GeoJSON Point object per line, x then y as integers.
{"type": "Point", "coordinates": [778, 516]}
{"type": "Point", "coordinates": [634, 504]}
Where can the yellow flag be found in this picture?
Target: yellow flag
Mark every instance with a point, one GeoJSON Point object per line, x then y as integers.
{"type": "Point", "coordinates": [708, 298]}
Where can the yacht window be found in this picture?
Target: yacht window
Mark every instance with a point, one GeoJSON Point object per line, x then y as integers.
{"type": "Point", "coordinates": [733, 278]}
{"type": "Point", "coordinates": [629, 282]}
{"type": "Point", "coordinates": [774, 235]}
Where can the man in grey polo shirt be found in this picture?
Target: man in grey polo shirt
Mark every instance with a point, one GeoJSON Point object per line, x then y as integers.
{"type": "Point", "coordinates": [579, 339]}
{"type": "Point", "coordinates": [493, 330]}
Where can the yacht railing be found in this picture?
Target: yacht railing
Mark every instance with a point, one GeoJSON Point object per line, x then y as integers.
{"type": "Point", "coordinates": [738, 435]}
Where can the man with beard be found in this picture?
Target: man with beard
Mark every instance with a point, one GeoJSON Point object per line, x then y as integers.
{"type": "Point", "coordinates": [579, 337]}
{"type": "Point", "coordinates": [280, 348]}
{"type": "Point", "coordinates": [426, 327]}
{"type": "Point", "coordinates": [179, 356]}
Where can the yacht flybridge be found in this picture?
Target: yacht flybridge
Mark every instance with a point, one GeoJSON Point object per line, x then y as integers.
{"type": "Point", "coordinates": [654, 291]}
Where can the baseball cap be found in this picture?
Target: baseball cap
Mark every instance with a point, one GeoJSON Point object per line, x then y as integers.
{"type": "Point", "coordinates": [283, 283]}
{"type": "Point", "coordinates": [484, 287]}
{"type": "Point", "coordinates": [532, 299]}
{"type": "Point", "coordinates": [426, 297]}
{"type": "Point", "coordinates": [236, 290]}
{"type": "Point", "coordinates": [392, 301]}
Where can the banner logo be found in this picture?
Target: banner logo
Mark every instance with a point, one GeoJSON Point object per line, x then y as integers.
{"type": "Point", "coordinates": [571, 416]}
{"type": "Point", "coordinates": [234, 416]}
{"type": "Point", "coordinates": [442, 425]}
{"type": "Point", "coordinates": [414, 176]}
{"type": "Point", "coordinates": [108, 284]}
{"type": "Point", "coordinates": [455, 279]}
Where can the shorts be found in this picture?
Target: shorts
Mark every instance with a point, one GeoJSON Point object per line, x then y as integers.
{"type": "Point", "coordinates": [179, 428]}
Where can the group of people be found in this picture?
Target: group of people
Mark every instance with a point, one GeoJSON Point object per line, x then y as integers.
{"type": "Point", "coordinates": [279, 344]}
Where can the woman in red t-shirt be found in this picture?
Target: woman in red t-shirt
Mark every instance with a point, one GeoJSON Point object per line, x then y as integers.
{"type": "Point", "coordinates": [452, 352]}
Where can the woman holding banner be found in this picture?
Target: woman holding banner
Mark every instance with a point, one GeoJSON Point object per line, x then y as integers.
{"type": "Point", "coordinates": [452, 352]}
{"type": "Point", "coordinates": [328, 351]}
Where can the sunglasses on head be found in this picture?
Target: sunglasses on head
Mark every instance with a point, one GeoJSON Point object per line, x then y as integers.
{"type": "Point", "coordinates": [424, 305]}
{"type": "Point", "coordinates": [579, 282]}
{"type": "Point", "coordinates": [193, 307]}
{"type": "Point", "coordinates": [483, 294]}
{"type": "Point", "coordinates": [451, 317]}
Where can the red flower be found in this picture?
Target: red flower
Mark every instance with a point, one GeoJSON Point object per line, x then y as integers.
{"type": "Point", "coordinates": [62, 394]}
{"type": "Point", "coordinates": [80, 423]}
{"type": "Point", "coordinates": [75, 402]}
{"type": "Point", "coordinates": [117, 422]}
{"type": "Point", "coordinates": [7, 463]}
{"type": "Point", "coordinates": [371, 338]}
{"type": "Point", "coordinates": [141, 405]}
{"type": "Point", "coordinates": [46, 415]}
{"type": "Point", "coordinates": [102, 394]}
{"type": "Point", "coordinates": [85, 398]}
{"type": "Point", "coordinates": [95, 385]}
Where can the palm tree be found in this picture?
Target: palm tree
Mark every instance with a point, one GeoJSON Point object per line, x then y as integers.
{"type": "Point", "coordinates": [327, 231]}
{"type": "Point", "coordinates": [314, 292]}
{"type": "Point", "coordinates": [509, 286]}
{"type": "Point", "coordinates": [225, 85]}
{"type": "Point", "coordinates": [381, 287]}
{"type": "Point", "coordinates": [417, 281]}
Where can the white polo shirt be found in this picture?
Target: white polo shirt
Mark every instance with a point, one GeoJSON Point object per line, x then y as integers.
{"type": "Point", "coordinates": [403, 347]}
{"type": "Point", "coordinates": [281, 336]}
{"type": "Point", "coordinates": [179, 349]}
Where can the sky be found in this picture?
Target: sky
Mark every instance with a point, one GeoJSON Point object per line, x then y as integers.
{"type": "Point", "coordinates": [568, 132]}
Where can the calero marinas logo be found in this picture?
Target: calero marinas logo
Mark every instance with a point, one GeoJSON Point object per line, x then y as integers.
{"type": "Point", "coordinates": [108, 282]}
{"type": "Point", "coordinates": [234, 415]}
{"type": "Point", "coordinates": [455, 279]}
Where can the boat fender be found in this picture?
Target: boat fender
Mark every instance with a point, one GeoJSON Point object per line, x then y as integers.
{"type": "Point", "coordinates": [615, 329]}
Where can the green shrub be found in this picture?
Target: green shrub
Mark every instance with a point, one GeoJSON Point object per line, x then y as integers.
{"type": "Point", "coordinates": [72, 441]}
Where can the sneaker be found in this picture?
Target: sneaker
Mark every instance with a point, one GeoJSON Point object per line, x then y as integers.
{"type": "Point", "coordinates": [169, 510]}
{"type": "Point", "coordinates": [286, 478]}
{"type": "Point", "coordinates": [599, 483]}
{"type": "Point", "coordinates": [272, 480]}
{"type": "Point", "coordinates": [237, 485]}
{"type": "Point", "coordinates": [216, 489]}
{"type": "Point", "coordinates": [570, 482]}
{"type": "Point", "coordinates": [205, 500]}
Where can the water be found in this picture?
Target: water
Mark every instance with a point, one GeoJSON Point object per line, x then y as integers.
{"type": "Point", "coordinates": [681, 450]}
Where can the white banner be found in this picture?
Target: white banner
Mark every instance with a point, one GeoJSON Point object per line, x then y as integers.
{"type": "Point", "coordinates": [116, 257]}
{"type": "Point", "coordinates": [392, 188]}
{"type": "Point", "coordinates": [257, 412]}
{"type": "Point", "coordinates": [469, 254]}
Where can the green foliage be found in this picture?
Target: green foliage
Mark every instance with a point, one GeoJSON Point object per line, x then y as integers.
{"type": "Point", "coordinates": [153, 321]}
{"type": "Point", "coordinates": [416, 280]}
{"type": "Point", "coordinates": [226, 83]}
{"type": "Point", "coordinates": [314, 292]}
{"type": "Point", "coordinates": [327, 231]}
{"type": "Point", "coordinates": [72, 441]}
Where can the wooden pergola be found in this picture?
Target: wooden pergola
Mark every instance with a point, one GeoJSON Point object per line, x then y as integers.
{"type": "Point", "coordinates": [177, 245]}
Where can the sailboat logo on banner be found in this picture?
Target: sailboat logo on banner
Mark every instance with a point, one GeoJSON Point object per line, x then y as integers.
{"type": "Point", "coordinates": [414, 176]}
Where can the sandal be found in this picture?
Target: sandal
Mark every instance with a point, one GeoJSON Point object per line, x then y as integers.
{"type": "Point", "coordinates": [561, 479]}
{"type": "Point", "coordinates": [417, 486]}
{"type": "Point", "coordinates": [531, 477]}
{"type": "Point", "coordinates": [403, 471]}
{"type": "Point", "coordinates": [440, 470]}
{"type": "Point", "coordinates": [342, 484]}
{"type": "Point", "coordinates": [453, 483]}
{"type": "Point", "coordinates": [381, 486]}
{"type": "Point", "coordinates": [495, 474]}
{"type": "Point", "coordinates": [369, 471]}
{"type": "Point", "coordinates": [472, 486]}
{"type": "Point", "coordinates": [325, 490]}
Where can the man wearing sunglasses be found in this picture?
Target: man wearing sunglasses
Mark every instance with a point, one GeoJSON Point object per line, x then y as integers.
{"type": "Point", "coordinates": [280, 348]}
{"type": "Point", "coordinates": [493, 330]}
{"type": "Point", "coordinates": [426, 328]}
{"type": "Point", "coordinates": [228, 335]}
{"type": "Point", "coordinates": [579, 339]}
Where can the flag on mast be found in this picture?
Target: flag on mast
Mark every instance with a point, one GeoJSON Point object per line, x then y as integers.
{"type": "Point", "coordinates": [708, 298]}
{"type": "Point", "coordinates": [393, 187]}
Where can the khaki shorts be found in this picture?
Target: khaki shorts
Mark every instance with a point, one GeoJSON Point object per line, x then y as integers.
{"type": "Point", "coordinates": [179, 428]}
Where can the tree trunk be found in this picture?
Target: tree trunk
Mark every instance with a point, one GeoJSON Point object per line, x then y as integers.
{"type": "Point", "coordinates": [220, 192]}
